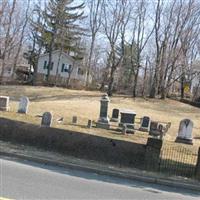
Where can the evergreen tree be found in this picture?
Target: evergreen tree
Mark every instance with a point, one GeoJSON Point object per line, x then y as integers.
{"type": "Point", "coordinates": [59, 28]}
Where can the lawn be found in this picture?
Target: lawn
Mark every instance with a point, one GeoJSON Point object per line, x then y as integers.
{"type": "Point", "coordinates": [85, 105]}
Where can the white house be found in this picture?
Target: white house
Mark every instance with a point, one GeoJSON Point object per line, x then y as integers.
{"type": "Point", "coordinates": [62, 68]}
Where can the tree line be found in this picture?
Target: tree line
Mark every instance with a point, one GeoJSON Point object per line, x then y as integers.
{"type": "Point", "coordinates": [143, 48]}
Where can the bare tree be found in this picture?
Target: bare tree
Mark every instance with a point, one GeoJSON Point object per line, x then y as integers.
{"type": "Point", "coordinates": [21, 37]}
{"type": "Point", "coordinates": [171, 22]}
{"type": "Point", "coordinates": [95, 15]}
{"type": "Point", "coordinates": [116, 17]}
{"type": "Point", "coordinates": [7, 39]}
{"type": "Point", "coordinates": [140, 37]}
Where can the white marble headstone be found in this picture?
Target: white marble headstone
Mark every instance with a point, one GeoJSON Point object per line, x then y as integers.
{"type": "Point", "coordinates": [23, 105]}
{"type": "Point", "coordinates": [185, 129]}
{"type": "Point", "coordinates": [47, 119]}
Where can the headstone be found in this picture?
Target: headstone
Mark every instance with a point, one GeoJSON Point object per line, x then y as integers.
{"type": "Point", "coordinates": [145, 124]}
{"type": "Point", "coordinates": [154, 129]}
{"type": "Point", "coordinates": [47, 119]}
{"type": "Point", "coordinates": [104, 121]}
{"type": "Point", "coordinates": [124, 129]}
{"type": "Point", "coordinates": [23, 105]}
{"type": "Point", "coordinates": [115, 115]}
{"type": "Point", "coordinates": [89, 125]}
{"type": "Point", "coordinates": [160, 129]}
{"type": "Point", "coordinates": [127, 117]}
{"type": "Point", "coordinates": [185, 132]}
{"type": "Point", "coordinates": [74, 120]}
{"type": "Point", "coordinates": [4, 103]}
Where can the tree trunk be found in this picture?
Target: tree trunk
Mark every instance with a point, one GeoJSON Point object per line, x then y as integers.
{"type": "Point", "coordinates": [144, 80]}
{"type": "Point", "coordinates": [89, 62]}
{"type": "Point", "coordinates": [111, 81]}
{"type": "Point", "coordinates": [182, 87]}
{"type": "Point", "coordinates": [135, 83]}
{"type": "Point", "coordinates": [153, 87]}
{"type": "Point", "coordinates": [57, 68]}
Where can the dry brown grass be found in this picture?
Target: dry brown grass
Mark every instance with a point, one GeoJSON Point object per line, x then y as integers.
{"type": "Point", "coordinates": [85, 104]}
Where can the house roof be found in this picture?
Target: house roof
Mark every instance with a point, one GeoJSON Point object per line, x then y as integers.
{"type": "Point", "coordinates": [58, 51]}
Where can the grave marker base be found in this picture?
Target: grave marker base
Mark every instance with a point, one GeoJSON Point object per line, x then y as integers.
{"type": "Point", "coordinates": [184, 141]}
{"type": "Point", "coordinates": [103, 125]}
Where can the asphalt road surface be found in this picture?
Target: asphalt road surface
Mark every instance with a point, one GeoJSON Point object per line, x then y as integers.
{"type": "Point", "coordinates": [27, 180]}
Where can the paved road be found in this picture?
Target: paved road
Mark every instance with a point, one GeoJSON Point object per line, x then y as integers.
{"type": "Point", "coordinates": [27, 180]}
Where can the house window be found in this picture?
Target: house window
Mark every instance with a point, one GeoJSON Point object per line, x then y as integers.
{"type": "Point", "coordinates": [70, 68]}
{"type": "Point", "coordinates": [80, 71]}
{"type": "Point", "coordinates": [45, 64]}
{"type": "Point", "coordinates": [66, 68]}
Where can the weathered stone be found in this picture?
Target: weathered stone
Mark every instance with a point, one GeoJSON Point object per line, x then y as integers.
{"type": "Point", "coordinates": [47, 119]}
{"type": "Point", "coordinates": [74, 120]}
{"type": "Point", "coordinates": [128, 128]}
{"type": "Point", "coordinates": [145, 124]}
{"type": "Point", "coordinates": [4, 103]}
{"type": "Point", "coordinates": [104, 121]}
{"type": "Point", "coordinates": [124, 129]}
{"type": "Point", "coordinates": [154, 129]}
{"type": "Point", "coordinates": [185, 132]}
{"type": "Point", "coordinates": [115, 115]}
{"type": "Point", "coordinates": [127, 117]}
{"type": "Point", "coordinates": [160, 129]}
{"type": "Point", "coordinates": [23, 105]}
{"type": "Point", "coordinates": [89, 124]}
{"type": "Point", "coordinates": [152, 155]}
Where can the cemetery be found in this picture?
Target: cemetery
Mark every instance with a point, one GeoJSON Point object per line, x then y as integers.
{"type": "Point", "coordinates": [150, 130]}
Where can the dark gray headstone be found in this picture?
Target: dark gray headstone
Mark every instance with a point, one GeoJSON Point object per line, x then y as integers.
{"type": "Point", "coordinates": [154, 129]}
{"type": "Point", "coordinates": [89, 125]}
{"type": "Point", "coordinates": [145, 124]}
{"type": "Point", "coordinates": [74, 119]}
{"type": "Point", "coordinates": [154, 126]}
{"type": "Point", "coordinates": [115, 115]}
{"type": "Point", "coordinates": [47, 119]}
{"type": "Point", "coordinates": [124, 129]}
{"type": "Point", "coordinates": [127, 117]}
{"type": "Point", "coordinates": [103, 121]}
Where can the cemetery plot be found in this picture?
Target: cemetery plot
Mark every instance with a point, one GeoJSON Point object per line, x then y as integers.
{"type": "Point", "coordinates": [64, 104]}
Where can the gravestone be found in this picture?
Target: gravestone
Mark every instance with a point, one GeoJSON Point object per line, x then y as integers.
{"type": "Point", "coordinates": [89, 124]}
{"type": "Point", "coordinates": [115, 115]}
{"type": "Point", "coordinates": [47, 119]}
{"type": "Point", "coordinates": [74, 120]}
{"type": "Point", "coordinates": [124, 129]}
{"type": "Point", "coordinates": [145, 124]}
{"type": "Point", "coordinates": [154, 129]}
{"type": "Point", "coordinates": [160, 129]}
{"type": "Point", "coordinates": [127, 117]}
{"type": "Point", "coordinates": [4, 103]}
{"type": "Point", "coordinates": [103, 121]}
{"type": "Point", "coordinates": [185, 132]}
{"type": "Point", "coordinates": [23, 105]}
